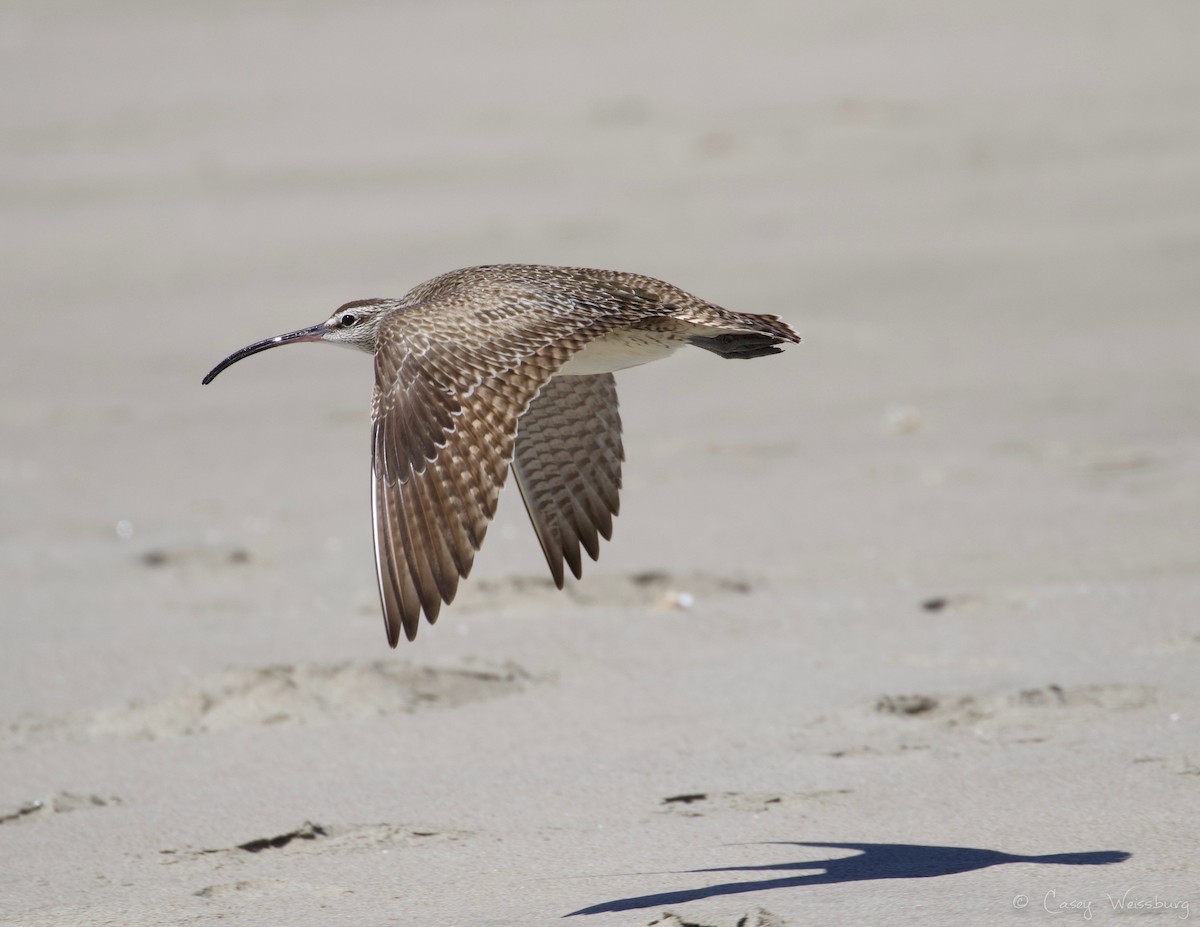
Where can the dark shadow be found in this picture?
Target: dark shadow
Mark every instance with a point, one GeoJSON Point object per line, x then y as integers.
{"type": "Point", "coordinates": [874, 861]}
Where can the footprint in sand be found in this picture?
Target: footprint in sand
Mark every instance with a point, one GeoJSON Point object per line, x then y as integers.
{"type": "Point", "coordinates": [647, 589]}
{"type": "Point", "coordinates": [759, 917]}
{"type": "Point", "coordinates": [304, 693]}
{"type": "Point", "coordinates": [324, 838]}
{"type": "Point", "coordinates": [308, 694]}
{"type": "Point", "coordinates": [43, 809]}
{"type": "Point", "coordinates": [908, 723]}
{"type": "Point", "coordinates": [698, 804]}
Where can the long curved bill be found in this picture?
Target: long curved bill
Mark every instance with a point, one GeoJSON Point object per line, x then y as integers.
{"type": "Point", "coordinates": [312, 333]}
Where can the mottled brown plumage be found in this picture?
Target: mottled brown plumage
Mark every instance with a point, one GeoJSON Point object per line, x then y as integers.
{"type": "Point", "coordinates": [488, 367]}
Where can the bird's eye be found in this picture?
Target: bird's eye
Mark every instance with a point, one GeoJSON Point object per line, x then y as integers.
{"type": "Point", "coordinates": [348, 320]}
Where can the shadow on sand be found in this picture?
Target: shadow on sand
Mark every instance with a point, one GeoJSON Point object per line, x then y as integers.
{"type": "Point", "coordinates": [874, 861]}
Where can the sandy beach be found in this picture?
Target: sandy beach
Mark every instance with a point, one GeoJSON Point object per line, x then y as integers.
{"type": "Point", "coordinates": [902, 625]}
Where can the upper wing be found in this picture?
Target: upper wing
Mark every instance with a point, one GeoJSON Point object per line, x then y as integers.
{"type": "Point", "coordinates": [446, 406]}
{"type": "Point", "coordinates": [568, 467]}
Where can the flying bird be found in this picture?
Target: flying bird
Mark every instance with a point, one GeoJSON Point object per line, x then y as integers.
{"type": "Point", "coordinates": [507, 365]}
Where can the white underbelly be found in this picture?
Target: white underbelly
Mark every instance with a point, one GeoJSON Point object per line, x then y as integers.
{"type": "Point", "coordinates": [620, 350]}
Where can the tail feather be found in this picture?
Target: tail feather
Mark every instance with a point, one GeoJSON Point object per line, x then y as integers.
{"type": "Point", "coordinates": [744, 335]}
{"type": "Point", "coordinates": [738, 345]}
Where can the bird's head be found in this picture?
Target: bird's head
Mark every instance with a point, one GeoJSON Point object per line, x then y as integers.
{"type": "Point", "coordinates": [355, 325]}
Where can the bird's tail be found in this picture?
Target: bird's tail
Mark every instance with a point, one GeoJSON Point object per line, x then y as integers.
{"type": "Point", "coordinates": [743, 335]}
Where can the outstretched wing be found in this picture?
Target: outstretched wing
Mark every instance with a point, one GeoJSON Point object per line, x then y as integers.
{"type": "Point", "coordinates": [446, 406]}
{"type": "Point", "coordinates": [568, 467]}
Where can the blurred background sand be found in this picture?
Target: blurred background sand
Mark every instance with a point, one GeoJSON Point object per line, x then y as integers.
{"type": "Point", "coordinates": [943, 558]}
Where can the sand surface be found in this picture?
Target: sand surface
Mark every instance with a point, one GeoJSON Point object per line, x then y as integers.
{"type": "Point", "coordinates": [941, 660]}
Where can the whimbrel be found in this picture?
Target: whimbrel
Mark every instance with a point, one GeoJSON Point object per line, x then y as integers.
{"type": "Point", "coordinates": [509, 364]}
